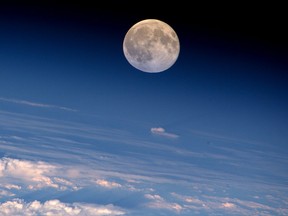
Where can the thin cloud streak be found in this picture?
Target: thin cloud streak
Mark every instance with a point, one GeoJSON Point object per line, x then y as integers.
{"type": "Point", "coordinates": [34, 104]}
{"type": "Point", "coordinates": [161, 132]}
{"type": "Point", "coordinates": [224, 138]}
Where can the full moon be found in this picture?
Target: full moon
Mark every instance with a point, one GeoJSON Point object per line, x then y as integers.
{"type": "Point", "coordinates": [151, 46]}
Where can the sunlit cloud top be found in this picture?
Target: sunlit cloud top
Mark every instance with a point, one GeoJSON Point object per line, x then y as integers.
{"type": "Point", "coordinates": [161, 132]}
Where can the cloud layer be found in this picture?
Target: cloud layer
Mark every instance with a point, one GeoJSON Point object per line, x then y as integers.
{"type": "Point", "coordinates": [49, 159]}
{"type": "Point", "coordinates": [55, 207]}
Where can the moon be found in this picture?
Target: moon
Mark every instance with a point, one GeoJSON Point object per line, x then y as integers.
{"type": "Point", "coordinates": [151, 45]}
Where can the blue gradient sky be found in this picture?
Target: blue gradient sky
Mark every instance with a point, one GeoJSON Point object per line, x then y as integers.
{"type": "Point", "coordinates": [229, 78]}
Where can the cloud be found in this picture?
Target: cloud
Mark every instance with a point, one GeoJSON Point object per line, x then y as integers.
{"type": "Point", "coordinates": [107, 184]}
{"type": "Point", "coordinates": [55, 207]}
{"type": "Point", "coordinates": [228, 205]}
{"type": "Point", "coordinates": [33, 104]}
{"type": "Point", "coordinates": [5, 193]}
{"type": "Point", "coordinates": [188, 199]}
{"type": "Point", "coordinates": [161, 132]}
{"type": "Point", "coordinates": [158, 202]}
{"type": "Point", "coordinates": [12, 186]}
{"type": "Point", "coordinates": [34, 174]}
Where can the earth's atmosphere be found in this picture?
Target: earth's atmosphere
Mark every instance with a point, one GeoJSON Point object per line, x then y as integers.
{"type": "Point", "coordinates": [82, 132]}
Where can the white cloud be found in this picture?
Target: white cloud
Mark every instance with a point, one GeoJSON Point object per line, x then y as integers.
{"type": "Point", "coordinates": [65, 184]}
{"type": "Point", "coordinates": [33, 104]}
{"type": "Point", "coordinates": [228, 205]}
{"type": "Point", "coordinates": [107, 184]}
{"type": "Point", "coordinates": [157, 130]}
{"type": "Point", "coordinates": [12, 186]}
{"type": "Point", "coordinates": [159, 202]}
{"type": "Point", "coordinates": [154, 197]}
{"type": "Point", "coordinates": [55, 207]}
{"type": "Point", "coordinates": [188, 199]}
{"type": "Point", "coordinates": [161, 132]}
{"type": "Point", "coordinates": [5, 193]}
{"type": "Point", "coordinates": [33, 174]}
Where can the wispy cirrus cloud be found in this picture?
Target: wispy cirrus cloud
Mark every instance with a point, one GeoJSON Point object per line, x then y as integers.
{"type": "Point", "coordinates": [162, 132]}
{"type": "Point", "coordinates": [224, 138]}
{"type": "Point", "coordinates": [55, 207]}
{"type": "Point", "coordinates": [35, 104]}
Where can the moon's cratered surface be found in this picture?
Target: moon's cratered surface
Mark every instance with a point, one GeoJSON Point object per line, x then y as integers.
{"type": "Point", "coordinates": [151, 45]}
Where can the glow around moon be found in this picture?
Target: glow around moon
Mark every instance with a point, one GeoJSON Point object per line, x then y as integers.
{"type": "Point", "coordinates": [151, 46]}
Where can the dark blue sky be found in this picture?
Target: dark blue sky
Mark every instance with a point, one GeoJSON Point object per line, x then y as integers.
{"type": "Point", "coordinates": [230, 77]}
